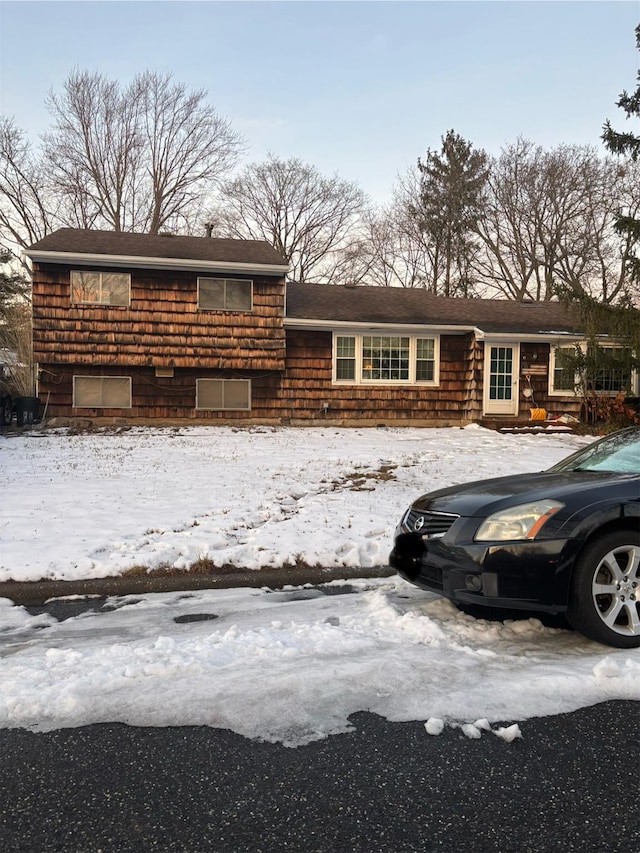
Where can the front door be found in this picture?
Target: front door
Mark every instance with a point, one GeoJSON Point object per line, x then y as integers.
{"type": "Point", "coordinates": [501, 379]}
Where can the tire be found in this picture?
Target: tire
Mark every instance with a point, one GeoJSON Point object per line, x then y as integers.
{"type": "Point", "coordinates": [604, 602]}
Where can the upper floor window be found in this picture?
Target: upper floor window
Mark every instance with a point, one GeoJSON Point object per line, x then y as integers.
{"type": "Point", "coordinates": [100, 288]}
{"type": "Point", "coordinates": [225, 294]}
{"type": "Point", "coordinates": [385, 359]}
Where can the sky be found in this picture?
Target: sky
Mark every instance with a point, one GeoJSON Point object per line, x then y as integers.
{"type": "Point", "coordinates": [289, 665]}
{"type": "Point", "coordinates": [358, 89]}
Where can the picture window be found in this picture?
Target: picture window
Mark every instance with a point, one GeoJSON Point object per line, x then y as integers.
{"type": "Point", "coordinates": [385, 359]}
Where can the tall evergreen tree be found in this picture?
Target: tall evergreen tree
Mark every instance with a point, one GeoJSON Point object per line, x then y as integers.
{"type": "Point", "coordinates": [451, 192]}
{"type": "Point", "coordinates": [628, 144]}
{"type": "Point", "coordinates": [620, 321]}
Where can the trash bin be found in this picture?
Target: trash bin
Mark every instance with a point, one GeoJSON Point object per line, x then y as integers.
{"type": "Point", "coordinates": [27, 410]}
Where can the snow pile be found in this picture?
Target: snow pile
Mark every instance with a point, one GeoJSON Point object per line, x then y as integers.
{"type": "Point", "coordinates": [293, 665]}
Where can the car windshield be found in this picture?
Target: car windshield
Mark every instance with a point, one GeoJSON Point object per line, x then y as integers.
{"type": "Point", "coordinates": [619, 453]}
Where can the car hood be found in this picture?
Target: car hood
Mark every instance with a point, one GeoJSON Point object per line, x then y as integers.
{"type": "Point", "coordinates": [477, 498]}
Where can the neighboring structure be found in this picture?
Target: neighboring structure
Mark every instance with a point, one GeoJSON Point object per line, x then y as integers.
{"type": "Point", "coordinates": [170, 327]}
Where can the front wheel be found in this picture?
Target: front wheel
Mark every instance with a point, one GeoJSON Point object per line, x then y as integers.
{"type": "Point", "coordinates": [604, 604]}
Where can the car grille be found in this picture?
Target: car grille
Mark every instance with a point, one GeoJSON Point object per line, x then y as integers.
{"type": "Point", "coordinates": [428, 524]}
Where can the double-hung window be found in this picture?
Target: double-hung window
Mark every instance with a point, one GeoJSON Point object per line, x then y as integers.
{"type": "Point", "coordinates": [562, 376]}
{"type": "Point", "coordinates": [225, 294]}
{"type": "Point", "coordinates": [100, 288]}
{"type": "Point", "coordinates": [385, 359]}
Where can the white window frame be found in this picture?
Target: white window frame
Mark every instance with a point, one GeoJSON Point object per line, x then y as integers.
{"type": "Point", "coordinates": [102, 380]}
{"type": "Point", "coordinates": [574, 393]}
{"type": "Point", "coordinates": [225, 282]}
{"type": "Point", "coordinates": [561, 392]}
{"type": "Point", "coordinates": [102, 300]}
{"type": "Point", "coordinates": [223, 408]}
{"type": "Point", "coordinates": [413, 347]}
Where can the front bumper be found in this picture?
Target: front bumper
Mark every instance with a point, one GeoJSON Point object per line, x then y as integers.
{"type": "Point", "coordinates": [531, 575]}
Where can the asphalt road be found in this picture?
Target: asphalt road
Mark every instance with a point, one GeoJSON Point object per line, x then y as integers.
{"type": "Point", "coordinates": [571, 784]}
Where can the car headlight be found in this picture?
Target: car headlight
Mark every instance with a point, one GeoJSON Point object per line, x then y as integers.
{"type": "Point", "coordinates": [517, 522]}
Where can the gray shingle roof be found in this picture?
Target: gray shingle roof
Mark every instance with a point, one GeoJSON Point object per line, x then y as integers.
{"type": "Point", "coordinates": [173, 247]}
{"type": "Point", "coordinates": [395, 305]}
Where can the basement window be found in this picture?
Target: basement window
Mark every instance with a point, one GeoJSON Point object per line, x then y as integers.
{"type": "Point", "coordinates": [100, 288]}
{"type": "Point", "coordinates": [221, 395]}
{"type": "Point", "coordinates": [102, 392]}
{"type": "Point", "coordinates": [225, 294]}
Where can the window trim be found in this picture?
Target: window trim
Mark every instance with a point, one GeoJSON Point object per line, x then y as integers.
{"type": "Point", "coordinates": [411, 381]}
{"type": "Point", "coordinates": [248, 281]}
{"type": "Point", "coordinates": [77, 405]}
{"type": "Point", "coordinates": [200, 408]}
{"type": "Point", "coordinates": [95, 302]}
{"type": "Point", "coordinates": [561, 392]}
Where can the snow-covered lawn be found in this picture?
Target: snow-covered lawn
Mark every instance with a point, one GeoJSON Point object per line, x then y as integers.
{"type": "Point", "coordinates": [94, 505]}
{"type": "Point", "coordinates": [286, 665]}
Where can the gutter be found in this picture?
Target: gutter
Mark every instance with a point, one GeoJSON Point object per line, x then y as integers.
{"type": "Point", "coordinates": [329, 325]}
{"type": "Point", "coordinates": [137, 261]}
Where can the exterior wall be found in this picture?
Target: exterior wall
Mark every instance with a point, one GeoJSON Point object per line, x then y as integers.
{"type": "Point", "coordinates": [162, 327]}
{"type": "Point", "coordinates": [291, 373]}
{"type": "Point", "coordinates": [534, 374]}
{"type": "Point", "coordinates": [157, 397]}
{"type": "Point", "coordinates": [306, 386]}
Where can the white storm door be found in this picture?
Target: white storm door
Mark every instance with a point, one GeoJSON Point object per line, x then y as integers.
{"type": "Point", "coordinates": [501, 378]}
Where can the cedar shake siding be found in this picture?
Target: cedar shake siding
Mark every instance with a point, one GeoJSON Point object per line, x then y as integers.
{"type": "Point", "coordinates": [162, 326]}
{"type": "Point", "coordinates": [307, 386]}
{"type": "Point", "coordinates": [160, 339]}
{"type": "Point", "coordinates": [156, 397]}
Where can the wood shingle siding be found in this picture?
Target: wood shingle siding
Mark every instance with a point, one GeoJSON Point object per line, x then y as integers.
{"type": "Point", "coordinates": [157, 397]}
{"type": "Point", "coordinates": [307, 386]}
{"type": "Point", "coordinates": [162, 326]}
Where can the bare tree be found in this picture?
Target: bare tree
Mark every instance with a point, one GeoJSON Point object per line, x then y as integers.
{"type": "Point", "coordinates": [190, 148]}
{"type": "Point", "coordinates": [395, 247]}
{"type": "Point", "coordinates": [94, 152]}
{"type": "Point", "coordinates": [26, 210]}
{"type": "Point", "coordinates": [135, 159]}
{"type": "Point", "coordinates": [548, 223]}
{"type": "Point", "coordinates": [311, 219]}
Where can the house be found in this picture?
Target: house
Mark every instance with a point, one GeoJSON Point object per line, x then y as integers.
{"type": "Point", "coordinates": [142, 326]}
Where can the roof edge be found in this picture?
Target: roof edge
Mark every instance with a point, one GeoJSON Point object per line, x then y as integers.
{"type": "Point", "coordinates": [137, 261]}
